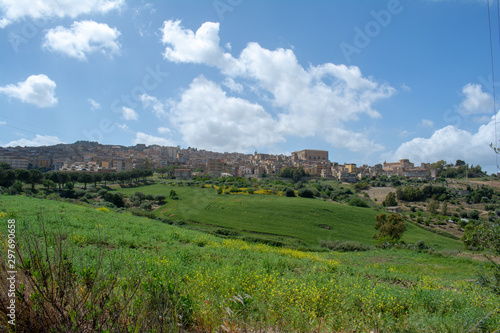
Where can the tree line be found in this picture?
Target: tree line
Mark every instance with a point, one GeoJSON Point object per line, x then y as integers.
{"type": "Point", "coordinates": [10, 177]}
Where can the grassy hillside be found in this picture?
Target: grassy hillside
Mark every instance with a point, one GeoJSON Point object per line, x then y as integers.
{"type": "Point", "coordinates": [200, 283]}
{"type": "Point", "coordinates": [292, 221]}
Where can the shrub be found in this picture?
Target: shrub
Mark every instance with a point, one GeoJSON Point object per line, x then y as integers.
{"type": "Point", "coordinates": [147, 205]}
{"type": "Point", "coordinates": [433, 207]}
{"type": "Point", "coordinates": [305, 193]}
{"type": "Point", "coordinates": [474, 214]}
{"type": "Point", "coordinates": [358, 202]}
{"type": "Point", "coordinates": [140, 196]}
{"type": "Point", "coordinates": [80, 193]}
{"type": "Point", "coordinates": [289, 192]}
{"type": "Point", "coordinates": [345, 246]}
{"type": "Point", "coordinates": [160, 198]}
{"type": "Point", "coordinates": [390, 200]}
{"type": "Point", "coordinates": [391, 227]}
{"type": "Point", "coordinates": [57, 294]}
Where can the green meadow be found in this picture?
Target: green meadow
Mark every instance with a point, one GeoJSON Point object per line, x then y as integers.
{"type": "Point", "coordinates": [292, 221]}
{"type": "Point", "coordinates": [150, 276]}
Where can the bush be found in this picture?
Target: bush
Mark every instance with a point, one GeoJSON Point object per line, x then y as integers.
{"type": "Point", "coordinates": [305, 193]}
{"type": "Point", "coordinates": [358, 202]}
{"type": "Point", "coordinates": [289, 192]}
{"type": "Point", "coordinates": [147, 205]}
{"type": "Point", "coordinates": [345, 246]}
{"type": "Point", "coordinates": [390, 200]}
{"type": "Point", "coordinates": [160, 198]}
{"type": "Point", "coordinates": [474, 214]}
{"type": "Point", "coordinates": [80, 193]}
{"type": "Point", "coordinates": [390, 228]}
{"type": "Point", "coordinates": [58, 294]}
{"type": "Point", "coordinates": [173, 195]}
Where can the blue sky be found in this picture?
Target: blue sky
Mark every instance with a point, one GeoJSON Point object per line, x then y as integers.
{"type": "Point", "coordinates": [369, 81]}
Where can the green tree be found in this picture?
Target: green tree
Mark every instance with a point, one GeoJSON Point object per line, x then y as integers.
{"type": "Point", "coordinates": [49, 184]}
{"type": "Point", "coordinates": [162, 171]}
{"type": "Point", "coordinates": [305, 193]}
{"type": "Point", "coordinates": [289, 192]}
{"type": "Point", "coordinates": [173, 195]}
{"type": "Point", "coordinates": [444, 209]}
{"type": "Point", "coordinates": [96, 178]}
{"type": "Point", "coordinates": [35, 177]}
{"type": "Point", "coordinates": [85, 178]}
{"type": "Point", "coordinates": [23, 175]}
{"type": "Point", "coordinates": [485, 237]}
{"type": "Point", "coordinates": [107, 177]}
{"type": "Point", "coordinates": [7, 177]}
{"type": "Point", "coordinates": [390, 200]}
{"type": "Point", "coordinates": [438, 166]}
{"type": "Point", "coordinates": [5, 166]}
{"type": "Point", "coordinates": [390, 228]}
{"type": "Point", "coordinates": [433, 207]}
{"type": "Point", "coordinates": [160, 199]}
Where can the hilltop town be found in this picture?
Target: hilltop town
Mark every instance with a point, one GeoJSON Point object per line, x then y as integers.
{"type": "Point", "coordinates": [85, 156]}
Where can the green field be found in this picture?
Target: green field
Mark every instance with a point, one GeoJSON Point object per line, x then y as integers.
{"type": "Point", "coordinates": [295, 221]}
{"type": "Point", "coordinates": [197, 282]}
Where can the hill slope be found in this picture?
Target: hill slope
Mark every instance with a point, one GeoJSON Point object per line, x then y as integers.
{"type": "Point", "coordinates": [221, 284]}
{"type": "Point", "coordinates": [295, 221]}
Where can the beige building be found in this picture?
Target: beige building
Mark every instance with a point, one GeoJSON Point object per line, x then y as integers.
{"type": "Point", "coordinates": [351, 168]}
{"type": "Point", "coordinates": [182, 173]}
{"type": "Point", "coordinates": [14, 161]}
{"type": "Point", "coordinates": [310, 155]}
{"type": "Point", "coordinates": [404, 168]}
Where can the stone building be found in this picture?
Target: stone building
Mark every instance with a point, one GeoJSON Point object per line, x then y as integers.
{"type": "Point", "coordinates": [310, 155]}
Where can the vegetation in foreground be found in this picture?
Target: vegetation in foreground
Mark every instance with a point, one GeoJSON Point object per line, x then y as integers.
{"type": "Point", "coordinates": [136, 274]}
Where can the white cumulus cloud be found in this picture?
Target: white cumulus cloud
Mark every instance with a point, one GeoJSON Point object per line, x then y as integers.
{"type": "Point", "coordinates": [151, 102]}
{"type": "Point", "coordinates": [129, 114]}
{"type": "Point", "coordinates": [82, 39]}
{"type": "Point", "coordinates": [147, 139]}
{"type": "Point", "coordinates": [314, 101]}
{"type": "Point", "coordinates": [207, 118]}
{"type": "Point", "coordinates": [37, 89]}
{"type": "Point", "coordinates": [15, 10]}
{"type": "Point", "coordinates": [201, 47]}
{"type": "Point", "coordinates": [450, 144]}
{"type": "Point", "coordinates": [475, 100]}
{"type": "Point", "coordinates": [163, 130]}
{"type": "Point", "coordinates": [38, 140]}
{"type": "Point", "coordinates": [428, 123]}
